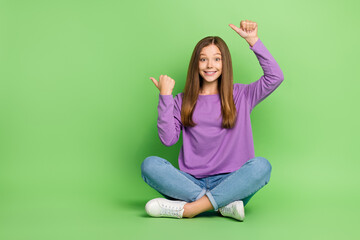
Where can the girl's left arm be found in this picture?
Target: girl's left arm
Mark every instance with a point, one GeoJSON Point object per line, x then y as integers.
{"type": "Point", "coordinates": [273, 76]}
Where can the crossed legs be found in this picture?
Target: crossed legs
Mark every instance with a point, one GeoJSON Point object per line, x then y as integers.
{"type": "Point", "coordinates": [172, 183]}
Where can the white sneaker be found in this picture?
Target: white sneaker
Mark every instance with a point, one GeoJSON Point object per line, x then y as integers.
{"type": "Point", "coordinates": [234, 209]}
{"type": "Point", "coordinates": [161, 207]}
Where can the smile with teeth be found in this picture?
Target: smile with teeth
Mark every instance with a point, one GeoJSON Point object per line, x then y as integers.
{"type": "Point", "coordinates": [209, 73]}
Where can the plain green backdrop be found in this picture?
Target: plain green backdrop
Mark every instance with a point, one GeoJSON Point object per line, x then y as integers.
{"type": "Point", "coordinates": [79, 114]}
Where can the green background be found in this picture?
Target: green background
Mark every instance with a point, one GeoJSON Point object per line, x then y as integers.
{"type": "Point", "coordinates": [79, 115]}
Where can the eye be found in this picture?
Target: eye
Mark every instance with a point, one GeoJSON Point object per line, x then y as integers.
{"type": "Point", "coordinates": [201, 59]}
{"type": "Point", "coordinates": [219, 59]}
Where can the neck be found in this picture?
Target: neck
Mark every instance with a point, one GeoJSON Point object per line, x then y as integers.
{"type": "Point", "coordinates": [209, 88]}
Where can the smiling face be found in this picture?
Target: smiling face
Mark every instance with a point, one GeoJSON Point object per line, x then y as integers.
{"type": "Point", "coordinates": [210, 63]}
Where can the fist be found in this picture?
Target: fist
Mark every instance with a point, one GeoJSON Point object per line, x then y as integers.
{"type": "Point", "coordinates": [248, 29]}
{"type": "Point", "coordinates": [165, 84]}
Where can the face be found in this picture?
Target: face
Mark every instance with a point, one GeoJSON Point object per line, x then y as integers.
{"type": "Point", "coordinates": [210, 63]}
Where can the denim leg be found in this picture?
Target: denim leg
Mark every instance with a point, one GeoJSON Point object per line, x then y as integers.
{"type": "Point", "coordinates": [241, 184]}
{"type": "Point", "coordinates": [247, 199]}
{"type": "Point", "coordinates": [172, 183]}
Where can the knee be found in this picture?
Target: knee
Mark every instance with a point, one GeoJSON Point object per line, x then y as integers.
{"type": "Point", "coordinates": [263, 163]}
{"type": "Point", "coordinates": [264, 166]}
{"type": "Point", "coordinates": [150, 164]}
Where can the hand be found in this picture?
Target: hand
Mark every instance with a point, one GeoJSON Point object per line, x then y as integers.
{"type": "Point", "coordinates": [165, 85]}
{"type": "Point", "coordinates": [248, 31]}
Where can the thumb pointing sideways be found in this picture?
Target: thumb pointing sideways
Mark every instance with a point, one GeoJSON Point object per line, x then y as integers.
{"type": "Point", "coordinates": [236, 29]}
{"type": "Point", "coordinates": [155, 82]}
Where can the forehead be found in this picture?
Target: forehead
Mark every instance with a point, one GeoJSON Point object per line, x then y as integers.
{"type": "Point", "coordinates": [210, 50]}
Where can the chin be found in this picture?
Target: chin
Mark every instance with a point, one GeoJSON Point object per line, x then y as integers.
{"type": "Point", "coordinates": [210, 81]}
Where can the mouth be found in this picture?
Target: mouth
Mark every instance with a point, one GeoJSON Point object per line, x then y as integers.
{"type": "Point", "coordinates": [209, 73]}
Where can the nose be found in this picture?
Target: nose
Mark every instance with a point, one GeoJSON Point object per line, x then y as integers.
{"type": "Point", "coordinates": [210, 64]}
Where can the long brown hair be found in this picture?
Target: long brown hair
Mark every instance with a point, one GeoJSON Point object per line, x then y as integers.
{"type": "Point", "coordinates": [194, 82]}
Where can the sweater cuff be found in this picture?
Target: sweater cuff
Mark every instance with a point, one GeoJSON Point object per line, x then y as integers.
{"type": "Point", "coordinates": [165, 96]}
{"type": "Point", "coordinates": [165, 99]}
{"type": "Point", "coordinates": [257, 45]}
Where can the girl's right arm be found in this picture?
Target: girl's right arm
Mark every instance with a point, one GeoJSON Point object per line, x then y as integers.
{"type": "Point", "coordinates": [169, 111]}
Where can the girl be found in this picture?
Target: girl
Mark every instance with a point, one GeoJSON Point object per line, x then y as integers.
{"type": "Point", "coordinates": [218, 167]}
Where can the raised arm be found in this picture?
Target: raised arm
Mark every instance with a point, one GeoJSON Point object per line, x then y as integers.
{"type": "Point", "coordinates": [169, 111]}
{"type": "Point", "coordinates": [273, 76]}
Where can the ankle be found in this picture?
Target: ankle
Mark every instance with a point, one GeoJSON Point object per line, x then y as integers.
{"type": "Point", "coordinates": [188, 211]}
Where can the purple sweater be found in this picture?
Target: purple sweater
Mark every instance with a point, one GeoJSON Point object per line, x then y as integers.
{"type": "Point", "coordinates": [209, 149]}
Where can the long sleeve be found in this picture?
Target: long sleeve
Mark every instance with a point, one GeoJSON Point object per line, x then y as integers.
{"type": "Point", "coordinates": [169, 119]}
{"type": "Point", "coordinates": [273, 76]}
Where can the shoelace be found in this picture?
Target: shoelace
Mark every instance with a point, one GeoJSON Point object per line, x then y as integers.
{"type": "Point", "coordinates": [170, 210]}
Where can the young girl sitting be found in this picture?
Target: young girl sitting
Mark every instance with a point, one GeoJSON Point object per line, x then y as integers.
{"type": "Point", "coordinates": [218, 167]}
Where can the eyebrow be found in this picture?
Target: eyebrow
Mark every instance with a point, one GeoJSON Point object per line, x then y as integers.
{"type": "Point", "coordinates": [214, 54]}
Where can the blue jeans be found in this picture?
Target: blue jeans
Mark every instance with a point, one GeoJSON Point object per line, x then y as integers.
{"type": "Point", "coordinates": [221, 189]}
